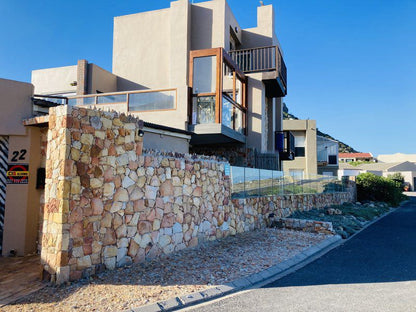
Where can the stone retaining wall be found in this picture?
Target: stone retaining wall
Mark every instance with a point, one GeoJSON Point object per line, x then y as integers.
{"type": "Point", "coordinates": [108, 204]}
{"type": "Point", "coordinates": [253, 212]}
{"type": "Point", "coordinates": [311, 226]}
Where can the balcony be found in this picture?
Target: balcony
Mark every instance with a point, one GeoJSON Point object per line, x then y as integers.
{"type": "Point", "coordinates": [285, 144]}
{"type": "Point", "coordinates": [268, 61]}
{"type": "Point", "coordinates": [217, 98]}
{"type": "Point", "coordinates": [129, 101]}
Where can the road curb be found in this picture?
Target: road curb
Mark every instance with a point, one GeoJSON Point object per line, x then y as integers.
{"type": "Point", "coordinates": [254, 280]}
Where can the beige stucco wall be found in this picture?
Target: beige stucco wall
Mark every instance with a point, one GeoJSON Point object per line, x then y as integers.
{"type": "Point", "coordinates": [55, 80]}
{"type": "Point", "coordinates": [21, 217]}
{"type": "Point", "coordinates": [150, 51]}
{"type": "Point", "coordinates": [16, 104]}
{"type": "Point", "coordinates": [307, 128]}
{"type": "Point", "coordinates": [100, 79]}
{"type": "Point", "coordinates": [264, 33]}
{"type": "Point", "coordinates": [164, 141]}
{"type": "Point", "coordinates": [256, 107]}
{"type": "Point", "coordinates": [22, 200]}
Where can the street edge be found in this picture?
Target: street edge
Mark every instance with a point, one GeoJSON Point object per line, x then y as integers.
{"type": "Point", "coordinates": [254, 280]}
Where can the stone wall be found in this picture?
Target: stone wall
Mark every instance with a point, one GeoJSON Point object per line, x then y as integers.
{"type": "Point", "coordinates": [311, 226]}
{"type": "Point", "coordinates": [253, 212]}
{"type": "Point", "coordinates": [108, 203]}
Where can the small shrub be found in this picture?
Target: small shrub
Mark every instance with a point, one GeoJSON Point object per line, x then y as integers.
{"type": "Point", "coordinates": [376, 188]}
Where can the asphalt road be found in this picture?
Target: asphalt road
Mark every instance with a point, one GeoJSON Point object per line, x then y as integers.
{"type": "Point", "coordinates": [373, 271]}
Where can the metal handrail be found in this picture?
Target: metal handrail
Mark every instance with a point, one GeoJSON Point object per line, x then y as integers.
{"type": "Point", "coordinates": [260, 59]}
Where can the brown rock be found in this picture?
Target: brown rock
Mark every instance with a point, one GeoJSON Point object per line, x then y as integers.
{"type": "Point", "coordinates": [109, 237]}
{"type": "Point", "coordinates": [166, 188]}
{"type": "Point", "coordinates": [95, 151]}
{"type": "Point", "coordinates": [168, 221]}
{"type": "Point", "coordinates": [121, 231]}
{"type": "Point", "coordinates": [193, 242]}
{"type": "Point", "coordinates": [112, 150]}
{"type": "Point", "coordinates": [144, 227]}
{"type": "Point", "coordinates": [87, 249]}
{"type": "Point", "coordinates": [97, 206]}
{"type": "Point", "coordinates": [75, 215]}
{"type": "Point", "coordinates": [97, 172]}
{"type": "Point", "coordinates": [85, 180]}
{"type": "Point", "coordinates": [133, 249]}
{"type": "Point", "coordinates": [139, 205]}
{"type": "Point", "coordinates": [82, 168]}
{"type": "Point", "coordinates": [121, 195]}
{"type": "Point", "coordinates": [76, 230]}
{"type": "Point", "coordinates": [117, 221]}
{"type": "Point", "coordinates": [109, 175]}
{"type": "Point", "coordinates": [197, 191]}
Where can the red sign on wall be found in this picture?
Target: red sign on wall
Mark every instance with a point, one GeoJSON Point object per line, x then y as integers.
{"type": "Point", "coordinates": [17, 174]}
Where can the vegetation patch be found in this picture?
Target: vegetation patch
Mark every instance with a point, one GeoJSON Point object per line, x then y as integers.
{"type": "Point", "coordinates": [347, 218]}
{"type": "Point", "coordinates": [376, 188]}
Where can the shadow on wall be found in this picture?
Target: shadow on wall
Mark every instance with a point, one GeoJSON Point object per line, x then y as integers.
{"type": "Point", "coordinates": [201, 36]}
{"type": "Point", "coordinates": [128, 85]}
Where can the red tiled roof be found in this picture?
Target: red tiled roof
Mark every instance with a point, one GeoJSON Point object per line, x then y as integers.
{"type": "Point", "coordinates": [355, 155]}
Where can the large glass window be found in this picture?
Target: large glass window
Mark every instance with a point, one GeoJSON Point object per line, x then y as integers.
{"type": "Point", "coordinates": [148, 101]}
{"type": "Point", "coordinates": [299, 145]}
{"type": "Point", "coordinates": [203, 110]}
{"type": "Point", "coordinates": [204, 76]}
{"type": "Point", "coordinates": [217, 101]}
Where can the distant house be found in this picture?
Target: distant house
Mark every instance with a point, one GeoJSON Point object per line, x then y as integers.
{"type": "Point", "coordinates": [304, 133]}
{"type": "Point", "coordinates": [406, 169]}
{"type": "Point", "coordinates": [314, 154]}
{"type": "Point", "coordinates": [327, 156]}
{"type": "Point", "coordinates": [348, 157]}
{"type": "Point", "coordinates": [398, 157]}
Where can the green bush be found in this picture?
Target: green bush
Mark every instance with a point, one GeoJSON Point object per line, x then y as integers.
{"type": "Point", "coordinates": [376, 188]}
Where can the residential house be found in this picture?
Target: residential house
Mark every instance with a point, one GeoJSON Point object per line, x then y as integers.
{"type": "Point", "coordinates": [348, 157]}
{"type": "Point", "coordinates": [314, 154]}
{"type": "Point", "coordinates": [406, 169]}
{"type": "Point", "coordinates": [191, 67]}
{"type": "Point", "coordinates": [189, 71]}
{"type": "Point", "coordinates": [398, 157]}
{"type": "Point", "coordinates": [327, 150]}
{"type": "Point", "coordinates": [305, 142]}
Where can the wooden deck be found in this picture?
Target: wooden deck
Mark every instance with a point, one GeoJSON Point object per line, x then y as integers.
{"type": "Point", "coordinates": [19, 276]}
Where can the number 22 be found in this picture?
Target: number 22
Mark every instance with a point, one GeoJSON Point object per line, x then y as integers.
{"type": "Point", "coordinates": [16, 156]}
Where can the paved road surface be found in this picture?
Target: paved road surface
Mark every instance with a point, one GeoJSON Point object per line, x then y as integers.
{"type": "Point", "coordinates": [373, 271]}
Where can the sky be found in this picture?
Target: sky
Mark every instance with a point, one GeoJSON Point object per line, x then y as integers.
{"type": "Point", "coordinates": [351, 63]}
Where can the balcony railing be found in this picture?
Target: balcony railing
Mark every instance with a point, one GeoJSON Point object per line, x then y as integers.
{"type": "Point", "coordinates": [130, 101]}
{"type": "Point", "coordinates": [285, 144]}
{"type": "Point", "coordinates": [261, 59]}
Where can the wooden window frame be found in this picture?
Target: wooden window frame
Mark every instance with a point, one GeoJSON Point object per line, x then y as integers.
{"type": "Point", "coordinates": [222, 57]}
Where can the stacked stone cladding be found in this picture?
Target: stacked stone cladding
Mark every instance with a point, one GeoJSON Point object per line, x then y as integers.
{"type": "Point", "coordinates": [108, 203]}
{"type": "Point", "coordinates": [253, 212]}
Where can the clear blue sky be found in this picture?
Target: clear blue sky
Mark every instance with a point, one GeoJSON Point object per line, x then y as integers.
{"type": "Point", "coordinates": [351, 63]}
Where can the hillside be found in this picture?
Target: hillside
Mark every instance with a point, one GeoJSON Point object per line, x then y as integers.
{"type": "Point", "coordinates": [343, 147]}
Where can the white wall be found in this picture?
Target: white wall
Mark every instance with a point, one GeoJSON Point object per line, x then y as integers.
{"type": "Point", "coordinates": [55, 80]}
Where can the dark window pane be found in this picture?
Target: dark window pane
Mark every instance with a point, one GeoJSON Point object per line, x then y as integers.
{"type": "Point", "coordinates": [332, 159]}
{"type": "Point", "coordinates": [299, 152]}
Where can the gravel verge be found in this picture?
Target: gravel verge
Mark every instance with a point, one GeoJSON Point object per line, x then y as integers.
{"type": "Point", "coordinates": [210, 264]}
